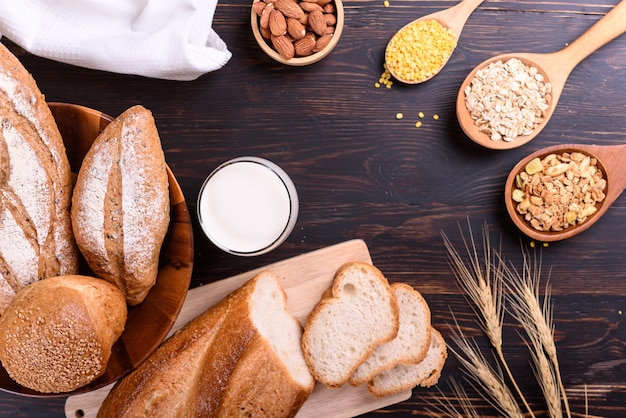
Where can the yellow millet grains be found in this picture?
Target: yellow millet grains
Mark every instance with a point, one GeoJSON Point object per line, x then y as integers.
{"type": "Point", "coordinates": [420, 115]}
{"type": "Point", "coordinates": [436, 117]}
{"type": "Point", "coordinates": [399, 115]}
{"type": "Point", "coordinates": [386, 3]}
{"type": "Point", "coordinates": [385, 79]}
{"type": "Point", "coordinates": [418, 124]}
{"type": "Point", "coordinates": [418, 51]}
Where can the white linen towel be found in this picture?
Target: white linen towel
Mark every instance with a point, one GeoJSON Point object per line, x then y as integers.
{"type": "Point", "coordinates": [168, 39]}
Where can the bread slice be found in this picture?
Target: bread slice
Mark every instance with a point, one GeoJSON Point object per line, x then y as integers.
{"type": "Point", "coordinates": [355, 315]}
{"type": "Point", "coordinates": [411, 343]}
{"type": "Point", "coordinates": [406, 376]}
{"type": "Point", "coordinates": [240, 357]}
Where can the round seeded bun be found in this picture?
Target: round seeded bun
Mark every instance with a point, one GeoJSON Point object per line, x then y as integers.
{"type": "Point", "coordinates": [57, 333]}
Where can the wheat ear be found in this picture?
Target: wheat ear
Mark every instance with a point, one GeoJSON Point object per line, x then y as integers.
{"type": "Point", "coordinates": [536, 317]}
{"type": "Point", "coordinates": [488, 381]}
{"type": "Point", "coordinates": [482, 283]}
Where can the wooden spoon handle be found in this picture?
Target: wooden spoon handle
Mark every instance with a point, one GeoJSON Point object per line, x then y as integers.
{"type": "Point", "coordinates": [455, 17]}
{"type": "Point", "coordinates": [612, 25]}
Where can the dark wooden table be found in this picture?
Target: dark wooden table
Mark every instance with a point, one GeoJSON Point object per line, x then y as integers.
{"type": "Point", "coordinates": [361, 173]}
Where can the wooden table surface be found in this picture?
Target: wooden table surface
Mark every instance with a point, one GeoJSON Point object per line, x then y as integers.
{"type": "Point", "coordinates": [362, 173]}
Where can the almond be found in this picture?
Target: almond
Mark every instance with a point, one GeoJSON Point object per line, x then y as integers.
{"type": "Point", "coordinates": [295, 28]}
{"type": "Point", "coordinates": [329, 8]}
{"type": "Point", "coordinates": [258, 7]}
{"type": "Point", "coordinates": [290, 8]}
{"type": "Point", "coordinates": [330, 19]}
{"type": "Point", "coordinates": [283, 46]}
{"type": "Point", "coordinates": [317, 22]}
{"type": "Point", "coordinates": [304, 46]}
{"type": "Point", "coordinates": [310, 7]}
{"type": "Point", "coordinates": [264, 22]}
{"type": "Point", "coordinates": [322, 42]}
{"type": "Point", "coordinates": [278, 24]}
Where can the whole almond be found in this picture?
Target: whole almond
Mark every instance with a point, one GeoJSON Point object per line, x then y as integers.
{"type": "Point", "coordinates": [304, 46]}
{"type": "Point", "coordinates": [278, 24]}
{"type": "Point", "coordinates": [283, 46]}
{"type": "Point", "coordinates": [322, 42]}
{"type": "Point", "coordinates": [330, 19]}
{"type": "Point", "coordinates": [317, 22]}
{"type": "Point", "coordinates": [295, 28]}
{"type": "Point", "coordinates": [264, 22]}
{"type": "Point", "coordinates": [258, 7]}
{"type": "Point", "coordinates": [310, 7]}
{"type": "Point", "coordinates": [290, 8]}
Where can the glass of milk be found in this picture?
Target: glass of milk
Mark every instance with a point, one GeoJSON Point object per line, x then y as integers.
{"type": "Point", "coordinates": [247, 206]}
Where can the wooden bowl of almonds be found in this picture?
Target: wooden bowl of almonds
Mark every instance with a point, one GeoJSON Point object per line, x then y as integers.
{"type": "Point", "coordinates": [297, 32]}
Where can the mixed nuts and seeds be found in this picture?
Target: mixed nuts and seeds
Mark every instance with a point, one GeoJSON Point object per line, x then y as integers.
{"type": "Point", "coordinates": [507, 99]}
{"type": "Point", "coordinates": [559, 190]}
{"type": "Point", "coordinates": [296, 28]}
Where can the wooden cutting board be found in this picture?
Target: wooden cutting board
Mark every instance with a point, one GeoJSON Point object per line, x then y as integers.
{"type": "Point", "coordinates": [304, 279]}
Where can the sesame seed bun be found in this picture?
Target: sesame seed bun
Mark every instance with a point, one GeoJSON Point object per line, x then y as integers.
{"type": "Point", "coordinates": [57, 334]}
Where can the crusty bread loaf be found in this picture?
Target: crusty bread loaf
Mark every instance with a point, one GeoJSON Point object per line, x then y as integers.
{"type": "Point", "coordinates": [57, 334]}
{"type": "Point", "coordinates": [406, 376]}
{"type": "Point", "coordinates": [35, 186]}
{"type": "Point", "coordinates": [411, 343]}
{"type": "Point", "coordinates": [120, 207]}
{"type": "Point", "coordinates": [358, 313]}
{"type": "Point", "coordinates": [241, 357]}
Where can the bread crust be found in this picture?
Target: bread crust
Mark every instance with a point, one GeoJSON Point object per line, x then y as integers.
{"type": "Point", "coordinates": [120, 207]}
{"type": "Point", "coordinates": [218, 365]}
{"type": "Point", "coordinates": [57, 334]}
{"type": "Point", "coordinates": [321, 358]}
{"type": "Point", "coordinates": [36, 238]}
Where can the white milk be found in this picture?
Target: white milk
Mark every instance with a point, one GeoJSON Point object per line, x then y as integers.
{"type": "Point", "coordinates": [247, 206]}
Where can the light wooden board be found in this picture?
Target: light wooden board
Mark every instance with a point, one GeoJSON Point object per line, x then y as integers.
{"type": "Point", "coordinates": [304, 279]}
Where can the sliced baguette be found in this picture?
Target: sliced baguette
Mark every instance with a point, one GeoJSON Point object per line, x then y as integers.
{"type": "Point", "coordinates": [240, 357]}
{"type": "Point", "coordinates": [410, 345]}
{"type": "Point", "coordinates": [406, 376]}
{"type": "Point", "coordinates": [358, 313]}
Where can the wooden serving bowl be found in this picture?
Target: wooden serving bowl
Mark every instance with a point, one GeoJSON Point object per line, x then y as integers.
{"type": "Point", "coordinates": [149, 322]}
{"type": "Point", "coordinates": [296, 61]}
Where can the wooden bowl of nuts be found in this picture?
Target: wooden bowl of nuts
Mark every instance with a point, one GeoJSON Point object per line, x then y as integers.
{"type": "Point", "coordinates": [560, 191]}
{"type": "Point", "coordinates": [299, 32]}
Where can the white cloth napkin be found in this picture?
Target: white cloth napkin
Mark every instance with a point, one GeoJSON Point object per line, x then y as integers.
{"type": "Point", "coordinates": [168, 39]}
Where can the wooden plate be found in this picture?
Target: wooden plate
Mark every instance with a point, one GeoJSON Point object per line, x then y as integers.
{"type": "Point", "coordinates": [149, 322]}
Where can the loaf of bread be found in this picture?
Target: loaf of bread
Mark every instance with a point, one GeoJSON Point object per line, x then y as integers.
{"type": "Point", "coordinates": [120, 207]}
{"type": "Point", "coordinates": [406, 376]}
{"type": "Point", "coordinates": [358, 313]}
{"type": "Point", "coordinates": [411, 343]}
{"type": "Point", "coordinates": [240, 358]}
{"type": "Point", "coordinates": [56, 335]}
{"type": "Point", "coordinates": [35, 186]}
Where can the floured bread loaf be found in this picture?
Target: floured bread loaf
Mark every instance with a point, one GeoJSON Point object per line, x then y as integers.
{"type": "Point", "coordinates": [240, 358]}
{"type": "Point", "coordinates": [35, 186]}
{"type": "Point", "coordinates": [120, 207]}
{"type": "Point", "coordinates": [57, 334]}
{"type": "Point", "coordinates": [411, 343]}
{"type": "Point", "coordinates": [358, 313]}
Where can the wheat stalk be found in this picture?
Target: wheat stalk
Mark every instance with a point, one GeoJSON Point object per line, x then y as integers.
{"type": "Point", "coordinates": [537, 320]}
{"type": "Point", "coordinates": [444, 406]}
{"type": "Point", "coordinates": [482, 283]}
{"type": "Point", "coordinates": [487, 380]}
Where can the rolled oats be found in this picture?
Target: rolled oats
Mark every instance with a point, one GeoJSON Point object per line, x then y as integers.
{"type": "Point", "coordinates": [559, 190]}
{"type": "Point", "coordinates": [507, 99]}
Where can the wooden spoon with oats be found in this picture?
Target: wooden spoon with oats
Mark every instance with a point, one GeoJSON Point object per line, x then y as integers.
{"type": "Point", "coordinates": [405, 53]}
{"type": "Point", "coordinates": [483, 111]}
{"type": "Point", "coordinates": [605, 162]}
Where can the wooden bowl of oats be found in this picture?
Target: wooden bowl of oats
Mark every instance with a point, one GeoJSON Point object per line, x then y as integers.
{"type": "Point", "coordinates": [558, 192]}
{"type": "Point", "coordinates": [297, 33]}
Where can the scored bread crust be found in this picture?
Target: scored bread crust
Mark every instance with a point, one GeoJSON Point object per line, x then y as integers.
{"type": "Point", "coordinates": [339, 334]}
{"type": "Point", "coordinates": [57, 334]}
{"type": "Point", "coordinates": [410, 345]}
{"type": "Point", "coordinates": [120, 207]}
{"type": "Point", "coordinates": [221, 364]}
{"type": "Point", "coordinates": [36, 238]}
